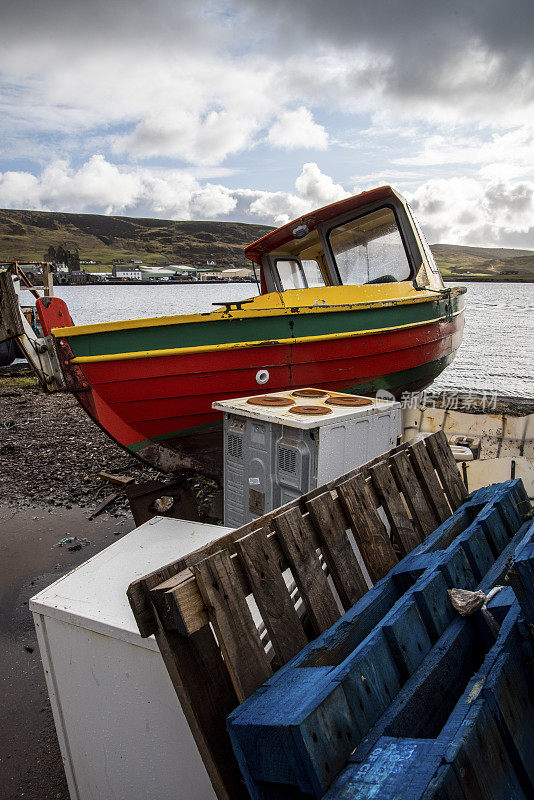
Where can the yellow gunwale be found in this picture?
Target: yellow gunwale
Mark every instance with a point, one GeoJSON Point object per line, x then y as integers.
{"type": "Point", "coordinates": [175, 351]}
{"type": "Point", "coordinates": [284, 309]}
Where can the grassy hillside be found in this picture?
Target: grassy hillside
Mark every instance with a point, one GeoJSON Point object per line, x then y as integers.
{"type": "Point", "coordinates": [27, 235]}
{"type": "Point", "coordinates": [484, 263]}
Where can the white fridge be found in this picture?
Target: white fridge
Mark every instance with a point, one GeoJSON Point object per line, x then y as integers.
{"type": "Point", "coordinates": [121, 729]}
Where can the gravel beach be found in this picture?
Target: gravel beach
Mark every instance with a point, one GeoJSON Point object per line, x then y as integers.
{"type": "Point", "coordinates": [51, 452]}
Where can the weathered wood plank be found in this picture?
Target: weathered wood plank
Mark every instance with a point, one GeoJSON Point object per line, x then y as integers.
{"type": "Point", "coordinates": [331, 527]}
{"type": "Point", "coordinates": [521, 574]}
{"type": "Point", "coordinates": [395, 769]}
{"type": "Point", "coordinates": [422, 512]}
{"type": "Point", "coordinates": [271, 594]}
{"type": "Point", "coordinates": [424, 469]}
{"type": "Point", "coordinates": [180, 604]}
{"type": "Point", "coordinates": [294, 535]}
{"type": "Point", "coordinates": [139, 590]}
{"type": "Point", "coordinates": [230, 616]}
{"type": "Point", "coordinates": [443, 460]}
{"type": "Point", "coordinates": [401, 525]}
{"type": "Point", "coordinates": [138, 594]}
{"type": "Point", "coordinates": [482, 765]}
{"type": "Point", "coordinates": [508, 695]}
{"type": "Point", "coordinates": [444, 786]}
{"type": "Point", "coordinates": [368, 529]}
{"type": "Point", "coordinates": [205, 692]}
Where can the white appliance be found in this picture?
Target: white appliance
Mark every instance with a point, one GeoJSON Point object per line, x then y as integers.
{"type": "Point", "coordinates": [121, 728]}
{"type": "Point", "coordinates": [281, 445]}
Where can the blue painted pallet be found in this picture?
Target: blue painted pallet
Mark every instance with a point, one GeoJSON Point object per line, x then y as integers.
{"type": "Point", "coordinates": [385, 677]}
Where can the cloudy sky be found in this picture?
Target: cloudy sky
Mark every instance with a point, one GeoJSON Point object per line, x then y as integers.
{"type": "Point", "coordinates": [258, 111]}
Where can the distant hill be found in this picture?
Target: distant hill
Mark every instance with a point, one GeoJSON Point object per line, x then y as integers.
{"type": "Point", "coordinates": [484, 263]}
{"type": "Point", "coordinates": [27, 235]}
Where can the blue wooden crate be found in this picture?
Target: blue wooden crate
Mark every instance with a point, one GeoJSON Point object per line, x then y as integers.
{"type": "Point", "coordinates": [389, 669]}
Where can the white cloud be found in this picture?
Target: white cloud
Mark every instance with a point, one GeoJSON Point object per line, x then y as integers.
{"type": "Point", "coordinates": [96, 183]}
{"type": "Point", "coordinates": [201, 83]}
{"type": "Point", "coordinates": [100, 187]}
{"type": "Point", "coordinates": [280, 207]}
{"type": "Point", "coordinates": [474, 212]}
{"type": "Point", "coordinates": [482, 148]}
{"type": "Point", "coordinates": [317, 188]}
{"type": "Point", "coordinates": [203, 139]}
{"type": "Point", "coordinates": [19, 190]}
{"type": "Point", "coordinates": [294, 129]}
{"type": "Point", "coordinates": [314, 189]}
{"type": "Point", "coordinates": [212, 201]}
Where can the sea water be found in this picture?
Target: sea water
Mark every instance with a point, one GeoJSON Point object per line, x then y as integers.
{"type": "Point", "coordinates": [496, 355]}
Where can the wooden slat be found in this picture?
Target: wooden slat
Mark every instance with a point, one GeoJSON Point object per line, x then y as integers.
{"type": "Point", "coordinates": [422, 512]}
{"type": "Point", "coordinates": [331, 528]}
{"type": "Point", "coordinates": [401, 525]}
{"type": "Point", "coordinates": [443, 460]}
{"type": "Point", "coordinates": [139, 590]}
{"type": "Point", "coordinates": [368, 529]}
{"type": "Point", "coordinates": [424, 469]}
{"type": "Point", "coordinates": [236, 631]}
{"type": "Point", "coordinates": [202, 683]}
{"type": "Point", "coordinates": [271, 594]}
{"type": "Point", "coordinates": [295, 537]}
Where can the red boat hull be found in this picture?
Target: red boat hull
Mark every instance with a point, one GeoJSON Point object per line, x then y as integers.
{"type": "Point", "coordinates": [168, 399]}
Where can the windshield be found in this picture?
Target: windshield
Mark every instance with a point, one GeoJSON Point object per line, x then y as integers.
{"type": "Point", "coordinates": [370, 249]}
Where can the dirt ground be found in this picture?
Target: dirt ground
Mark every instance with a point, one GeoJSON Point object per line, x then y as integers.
{"type": "Point", "coordinates": [50, 456]}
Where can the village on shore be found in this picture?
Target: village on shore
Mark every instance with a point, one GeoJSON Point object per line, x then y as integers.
{"type": "Point", "coordinates": [135, 272]}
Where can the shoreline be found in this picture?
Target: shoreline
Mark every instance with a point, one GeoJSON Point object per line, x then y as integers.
{"type": "Point", "coordinates": [479, 279]}
{"type": "Point", "coordinates": [447, 279]}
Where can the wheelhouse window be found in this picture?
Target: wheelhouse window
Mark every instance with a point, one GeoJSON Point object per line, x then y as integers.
{"type": "Point", "coordinates": [370, 249]}
{"type": "Point", "coordinates": [296, 274]}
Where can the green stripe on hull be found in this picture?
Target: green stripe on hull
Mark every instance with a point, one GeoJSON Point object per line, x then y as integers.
{"type": "Point", "coordinates": [394, 382]}
{"type": "Point", "coordinates": [401, 380]}
{"type": "Point", "coordinates": [163, 436]}
{"type": "Point", "coordinates": [198, 334]}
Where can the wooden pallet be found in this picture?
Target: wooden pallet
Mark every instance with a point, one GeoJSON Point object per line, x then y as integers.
{"type": "Point", "coordinates": [402, 684]}
{"type": "Point", "coordinates": [229, 615]}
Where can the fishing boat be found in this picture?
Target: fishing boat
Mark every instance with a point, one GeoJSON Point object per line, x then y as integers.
{"type": "Point", "coordinates": [350, 298]}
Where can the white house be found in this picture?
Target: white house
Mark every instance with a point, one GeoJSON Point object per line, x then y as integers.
{"type": "Point", "coordinates": [127, 273]}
